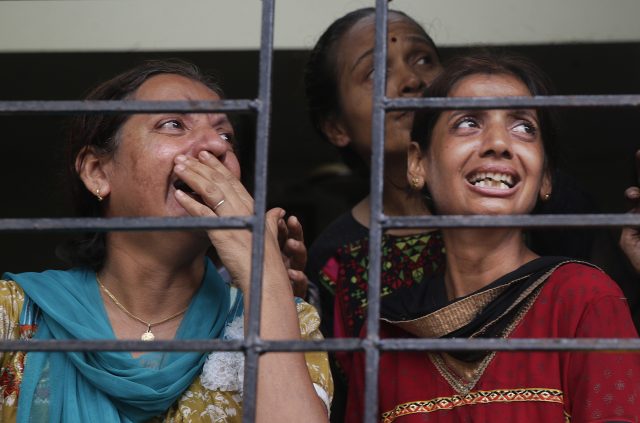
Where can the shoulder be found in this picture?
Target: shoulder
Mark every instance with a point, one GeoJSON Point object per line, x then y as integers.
{"type": "Point", "coordinates": [583, 301]}
{"type": "Point", "coordinates": [342, 231]}
{"type": "Point", "coordinates": [308, 319]}
{"type": "Point", "coordinates": [11, 301]}
{"type": "Point", "coordinates": [9, 289]}
{"type": "Point", "coordinates": [581, 282]}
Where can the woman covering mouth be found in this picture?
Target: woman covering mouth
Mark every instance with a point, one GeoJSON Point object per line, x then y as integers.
{"type": "Point", "coordinates": [158, 285]}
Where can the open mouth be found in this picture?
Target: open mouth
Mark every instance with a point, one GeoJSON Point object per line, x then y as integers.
{"type": "Point", "coordinates": [494, 180]}
{"type": "Point", "coordinates": [182, 186]}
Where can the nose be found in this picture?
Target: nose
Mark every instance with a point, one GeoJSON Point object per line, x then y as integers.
{"type": "Point", "coordinates": [409, 83]}
{"type": "Point", "coordinates": [212, 140]}
{"type": "Point", "coordinates": [496, 142]}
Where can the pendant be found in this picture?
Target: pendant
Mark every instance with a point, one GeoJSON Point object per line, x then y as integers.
{"type": "Point", "coordinates": [148, 336]}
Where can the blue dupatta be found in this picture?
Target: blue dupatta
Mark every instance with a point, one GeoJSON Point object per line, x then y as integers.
{"type": "Point", "coordinates": [106, 386]}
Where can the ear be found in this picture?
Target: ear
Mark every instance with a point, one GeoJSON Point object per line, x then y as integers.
{"type": "Point", "coordinates": [546, 187]}
{"type": "Point", "coordinates": [335, 131]}
{"type": "Point", "coordinates": [416, 172]}
{"type": "Point", "coordinates": [91, 169]}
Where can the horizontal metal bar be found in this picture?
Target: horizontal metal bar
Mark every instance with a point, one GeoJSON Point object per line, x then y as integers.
{"type": "Point", "coordinates": [123, 106]}
{"type": "Point", "coordinates": [133, 106]}
{"type": "Point", "coordinates": [624, 100]}
{"type": "Point", "coordinates": [546, 344]}
{"type": "Point", "coordinates": [344, 344]}
{"type": "Point", "coordinates": [66, 224]}
{"type": "Point", "coordinates": [534, 220]}
{"type": "Point", "coordinates": [122, 345]}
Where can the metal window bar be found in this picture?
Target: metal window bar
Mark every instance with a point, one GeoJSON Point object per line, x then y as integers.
{"type": "Point", "coordinates": [252, 345]}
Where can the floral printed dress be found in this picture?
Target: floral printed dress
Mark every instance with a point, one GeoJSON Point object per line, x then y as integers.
{"type": "Point", "coordinates": [214, 396]}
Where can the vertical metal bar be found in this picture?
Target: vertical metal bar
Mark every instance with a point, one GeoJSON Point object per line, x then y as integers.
{"type": "Point", "coordinates": [260, 183]}
{"type": "Point", "coordinates": [375, 227]}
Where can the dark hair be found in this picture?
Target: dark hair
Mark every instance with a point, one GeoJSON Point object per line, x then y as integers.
{"type": "Point", "coordinates": [100, 133]}
{"type": "Point", "coordinates": [321, 76]}
{"type": "Point", "coordinates": [489, 63]}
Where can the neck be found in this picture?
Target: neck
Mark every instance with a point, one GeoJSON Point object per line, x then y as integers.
{"type": "Point", "coordinates": [396, 199]}
{"type": "Point", "coordinates": [150, 274]}
{"type": "Point", "coordinates": [477, 257]}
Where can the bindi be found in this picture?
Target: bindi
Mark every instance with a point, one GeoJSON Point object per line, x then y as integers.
{"type": "Point", "coordinates": [394, 39]}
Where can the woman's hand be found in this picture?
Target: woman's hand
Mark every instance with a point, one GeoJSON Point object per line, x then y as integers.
{"type": "Point", "coordinates": [220, 193]}
{"type": "Point", "coordinates": [630, 236]}
{"type": "Point", "coordinates": [294, 254]}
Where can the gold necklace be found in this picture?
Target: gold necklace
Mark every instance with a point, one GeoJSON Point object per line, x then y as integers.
{"type": "Point", "coordinates": [148, 335]}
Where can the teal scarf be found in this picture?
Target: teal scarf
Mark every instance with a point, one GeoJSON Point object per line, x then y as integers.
{"type": "Point", "coordinates": [106, 386]}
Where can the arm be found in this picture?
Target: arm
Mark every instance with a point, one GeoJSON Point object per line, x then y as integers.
{"type": "Point", "coordinates": [285, 390]}
{"type": "Point", "coordinates": [630, 237]}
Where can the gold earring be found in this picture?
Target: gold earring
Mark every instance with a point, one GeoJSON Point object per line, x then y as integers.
{"type": "Point", "coordinates": [546, 197]}
{"type": "Point", "coordinates": [415, 183]}
{"type": "Point", "coordinates": [100, 198]}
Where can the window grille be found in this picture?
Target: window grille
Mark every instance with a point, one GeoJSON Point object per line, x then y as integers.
{"type": "Point", "coordinates": [252, 345]}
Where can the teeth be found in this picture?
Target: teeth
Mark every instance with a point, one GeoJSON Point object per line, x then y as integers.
{"type": "Point", "coordinates": [492, 180]}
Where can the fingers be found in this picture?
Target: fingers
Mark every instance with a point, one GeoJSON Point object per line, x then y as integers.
{"type": "Point", "coordinates": [630, 245]}
{"type": "Point", "coordinates": [193, 207]}
{"type": "Point", "coordinates": [211, 162]}
{"type": "Point", "coordinates": [283, 233]}
{"type": "Point", "coordinates": [299, 283]}
{"type": "Point", "coordinates": [291, 240]}
{"type": "Point", "coordinates": [630, 236]}
{"type": "Point", "coordinates": [213, 183]}
{"type": "Point", "coordinates": [296, 252]}
{"type": "Point", "coordinates": [272, 220]}
{"type": "Point", "coordinates": [632, 193]}
{"type": "Point", "coordinates": [295, 229]}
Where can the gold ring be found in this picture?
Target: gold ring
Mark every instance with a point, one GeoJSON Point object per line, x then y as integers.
{"type": "Point", "coordinates": [221, 202]}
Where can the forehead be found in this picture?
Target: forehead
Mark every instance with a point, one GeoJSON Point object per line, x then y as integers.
{"type": "Point", "coordinates": [361, 36]}
{"type": "Point", "coordinates": [173, 87]}
{"type": "Point", "coordinates": [490, 85]}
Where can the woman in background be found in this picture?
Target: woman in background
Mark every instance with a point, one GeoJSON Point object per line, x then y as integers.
{"type": "Point", "coordinates": [339, 87]}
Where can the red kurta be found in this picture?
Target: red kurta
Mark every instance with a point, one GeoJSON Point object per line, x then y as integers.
{"type": "Point", "coordinates": [577, 301]}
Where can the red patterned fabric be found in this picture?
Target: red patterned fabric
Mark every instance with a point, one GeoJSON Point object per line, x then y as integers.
{"type": "Point", "coordinates": [406, 261]}
{"type": "Point", "coordinates": [577, 301]}
{"type": "Point", "coordinates": [338, 263]}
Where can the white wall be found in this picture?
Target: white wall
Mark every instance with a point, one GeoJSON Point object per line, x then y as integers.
{"type": "Point", "coordinates": [143, 25]}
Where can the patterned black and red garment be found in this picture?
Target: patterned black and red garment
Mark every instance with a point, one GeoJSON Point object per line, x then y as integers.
{"type": "Point", "coordinates": [338, 266]}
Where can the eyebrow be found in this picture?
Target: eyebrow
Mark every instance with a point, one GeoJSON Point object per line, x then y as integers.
{"type": "Point", "coordinates": [455, 113]}
{"type": "Point", "coordinates": [524, 112]}
{"type": "Point", "coordinates": [414, 38]}
{"type": "Point", "coordinates": [361, 58]}
{"type": "Point", "coordinates": [221, 119]}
